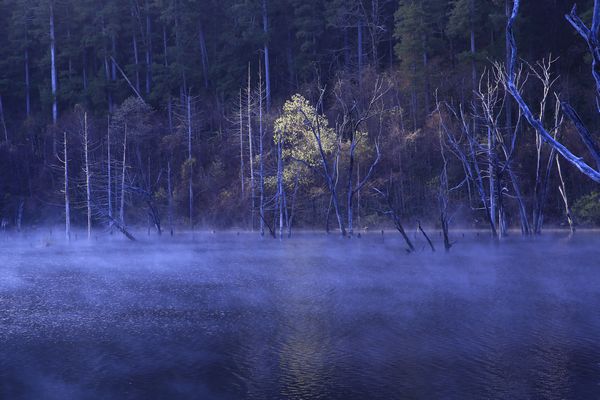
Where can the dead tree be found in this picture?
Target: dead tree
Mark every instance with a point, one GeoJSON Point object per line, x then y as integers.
{"type": "Point", "coordinates": [562, 189]}
{"type": "Point", "coordinates": [109, 184]}
{"type": "Point", "coordinates": [443, 195]}
{"type": "Point", "coordinates": [65, 162]}
{"type": "Point", "coordinates": [87, 171]}
{"type": "Point", "coordinates": [169, 197]}
{"type": "Point", "coordinates": [590, 35]}
{"type": "Point", "coordinates": [393, 214]}
{"type": "Point", "coordinates": [492, 103]}
{"type": "Point", "coordinates": [250, 149]}
{"type": "Point", "coordinates": [467, 155]}
{"type": "Point", "coordinates": [241, 123]}
{"type": "Point", "coordinates": [190, 160]}
{"type": "Point", "coordinates": [123, 177]}
{"type": "Point", "coordinates": [261, 136]}
{"type": "Point", "coordinates": [420, 227]}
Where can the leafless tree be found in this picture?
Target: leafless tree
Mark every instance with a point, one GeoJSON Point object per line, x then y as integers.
{"type": "Point", "coordinates": [590, 35]}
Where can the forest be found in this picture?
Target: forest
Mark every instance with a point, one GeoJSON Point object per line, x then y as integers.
{"type": "Point", "coordinates": [268, 115]}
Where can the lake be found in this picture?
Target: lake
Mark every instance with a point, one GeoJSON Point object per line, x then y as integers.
{"type": "Point", "coordinates": [228, 316]}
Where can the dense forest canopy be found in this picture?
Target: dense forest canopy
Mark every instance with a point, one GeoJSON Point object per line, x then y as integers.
{"type": "Point", "coordinates": [268, 114]}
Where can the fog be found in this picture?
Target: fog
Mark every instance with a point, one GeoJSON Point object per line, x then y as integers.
{"type": "Point", "coordinates": [233, 316]}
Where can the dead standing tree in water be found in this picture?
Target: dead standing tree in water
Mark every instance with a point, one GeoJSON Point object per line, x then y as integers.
{"type": "Point", "coordinates": [85, 137]}
{"type": "Point", "coordinates": [590, 35]}
{"type": "Point", "coordinates": [467, 154]}
{"type": "Point", "coordinates": [393, 214]}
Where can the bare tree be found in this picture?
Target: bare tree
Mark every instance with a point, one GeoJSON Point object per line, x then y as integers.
{"type": "Point", "coordinates": [590, 35]}
{"type": "Point", "coordinates": [249, 105]}
{"type": "Point", "coordinates": [467, 155]}
{"type": "Point", "coordinates": [65, 162]}
{"type": "Point", "coordinates": [394, 215]}
{"type": "Point", "coordinates": [261, 134]}
{"type": "Point", "coordinates": [109, 183]}
{"type": "Point", "coordinates": [188, 107]}
{"type": "Point", "coordinates": [241, 123]}
{"type": "Point", "coordinates": [123, 177]}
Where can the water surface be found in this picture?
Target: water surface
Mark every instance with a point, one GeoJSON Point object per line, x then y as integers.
{"type": "Point", "coordinates": [316, 317]}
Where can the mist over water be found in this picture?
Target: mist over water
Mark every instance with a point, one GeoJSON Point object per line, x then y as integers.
{"type": "Point", "coordinates": [229, 316]}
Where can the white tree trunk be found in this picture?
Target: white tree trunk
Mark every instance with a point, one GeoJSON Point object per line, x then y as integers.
{"type": "Point", "coordinates": [170, 197]}
{"type": "Point", "coordinates": [123, 172]}
{"type": "Point", "coordinates": [492, 172]}
{"type": "Point", "coordinates": [109, 176]}
{"type": "Point", "coordinates": [53, 65]}
{"type": "Point", "coordinates": [562, 188]}
{"type": "Point", "coordinates": [67, 201]}
{"type": "Point", "coordinates": [190, 180]}
{"type": "Point", "coordinates": [88, 190]}
{"type": "Point", "coordinates": [280, 202]}
{"type": "Point", "coordinates": [261, 134]}
{"type": "Point", "coordinates": [251, 159]}
{"type": "Point", "coordinates": [242, 146]}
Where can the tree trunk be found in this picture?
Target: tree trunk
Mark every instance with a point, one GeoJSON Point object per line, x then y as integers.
{"type": "Point", "coordinates": [280, 186]}
{"type": "Point", "coordinates": [53, 65]}
{"type": "Point", "coordinates": [84, 71]}
{"type": "Point", "coordinates": [359, 49]}
{"type": "Point", "coordinates": [492, 170]}
{"type": "Point", "coordinates": [472, 44]}
{"type": "Point", "coordinates": [265, 17]}
{"type": "Point", "coordinates": [251, 157]}
{"type": "Point", "coordinates": [261, 134]}
{"type": "Point", "coordinates": [3, 121]}
{"type": "Point", "coordinates": [169, 197]}
{"type": "Point", "coordinates": [242, 146]}
{"type": "Point", "coordinates": [27, 85]}
{"type": "Point", "coordinates": [148, 49]}
{"type": "Point", "coordinates": [350, 193]}
{"type": "Point", "coordinates": [88, 190]}
{"type": "Point", "coordinates": [53, 76]}
{"type": "Point", "coordinates": [123, 172]}
{"type": "Point", "coordinates": [191, 167]}
{"type": "Point", "coordinates": [293, 207]}
{"type": "Point", "coordinates": [136, 62]}
{"type": "Point", "coordinates": [109, 176]}
{"type": "Point", "coordinates": [204, 55]}
{"type": "Point", "coordinates": [562, 188]}
{"type": "Point", "coordinates": [67, 200]}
